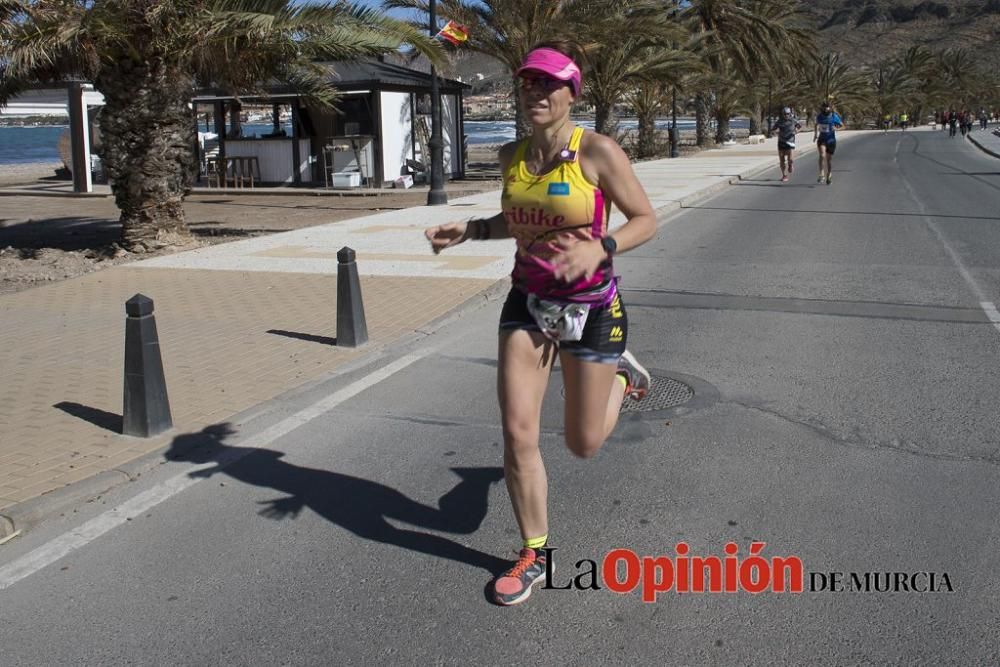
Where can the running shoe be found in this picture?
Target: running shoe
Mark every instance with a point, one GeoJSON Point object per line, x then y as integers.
{"type": "Point", "coordinates": [820, 178]}
{"type": "Point", "coordinates": [829, 179]}
{"type": "Point", "coordinates": [637, 378]}
{"type": "Point", "coordinates": [514, 585]}
{"type": "Point", "coordinates": [784, 179]}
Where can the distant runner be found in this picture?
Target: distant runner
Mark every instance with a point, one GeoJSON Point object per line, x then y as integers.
{"type": "Point", "coordinates": [786, 127]}
{"type": "Point", "coordinates": [824, 134]}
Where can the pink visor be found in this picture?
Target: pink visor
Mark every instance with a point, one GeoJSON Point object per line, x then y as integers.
{"type": "Point", "coordinates": [555, 64]}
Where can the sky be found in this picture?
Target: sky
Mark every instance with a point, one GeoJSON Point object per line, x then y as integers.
{"type": "Point", "coordinates": [377, 4]}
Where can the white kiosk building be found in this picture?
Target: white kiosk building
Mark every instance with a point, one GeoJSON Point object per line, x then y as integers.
{"type": "Point", "coordinates": [377, 134]}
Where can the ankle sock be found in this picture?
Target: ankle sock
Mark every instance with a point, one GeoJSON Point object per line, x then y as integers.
{"type": "Point", "coordinates": [536, 543]}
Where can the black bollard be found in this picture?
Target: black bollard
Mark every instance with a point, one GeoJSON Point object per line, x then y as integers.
{"type": "Point", "coordinates": [351, 328]}
{"type": "Point", "coordinates": [146, 408]}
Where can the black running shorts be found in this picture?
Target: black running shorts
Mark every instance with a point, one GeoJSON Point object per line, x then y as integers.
{"type": "Point", "coordinates": [830, 147]}
{"type": "Point", "coordinates": [604, 334]}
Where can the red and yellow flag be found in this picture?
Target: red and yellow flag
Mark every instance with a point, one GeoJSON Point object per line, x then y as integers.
{"type": "Point", "coordinates": [454, 33]}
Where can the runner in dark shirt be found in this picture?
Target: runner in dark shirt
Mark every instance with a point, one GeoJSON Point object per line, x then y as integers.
{"type": "Point", "coordinates": [786, 127]}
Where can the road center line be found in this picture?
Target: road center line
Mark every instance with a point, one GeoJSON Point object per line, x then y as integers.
{"type": "Point", "coordinates": [143, 502]}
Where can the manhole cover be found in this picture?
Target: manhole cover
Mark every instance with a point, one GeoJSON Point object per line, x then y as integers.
{"type": "Point", "coordinates": [664, 393]}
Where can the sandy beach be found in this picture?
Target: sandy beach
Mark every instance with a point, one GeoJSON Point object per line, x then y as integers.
{"type": "Point", "coordinates": [29, 172]}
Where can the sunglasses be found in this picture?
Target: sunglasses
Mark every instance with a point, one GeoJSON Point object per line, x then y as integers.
{"type": "Point", "coordinates": [546, 83]}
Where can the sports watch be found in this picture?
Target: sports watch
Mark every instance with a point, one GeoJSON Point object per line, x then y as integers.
{"type": "Point", "coordinates": [610, 245]}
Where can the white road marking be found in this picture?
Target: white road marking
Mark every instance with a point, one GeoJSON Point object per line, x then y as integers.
{"type": "Point", "coordinates": [991, 312]}
{"type": "Point", "coordinates": [143, 502]}
{"type": "Point", "coordinates": [988, 308]}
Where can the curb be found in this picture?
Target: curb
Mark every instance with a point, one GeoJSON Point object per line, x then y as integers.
{"type": "Point", "coordinates": [8, 192]}
{"type": "Point", "coordinates": [22, 516]}
{"type": "Point", "coordinates": [19, 517]}
{"type": "Point", "coordinates": [988, 151]}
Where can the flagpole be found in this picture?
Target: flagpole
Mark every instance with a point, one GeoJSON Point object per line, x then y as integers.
{"type": "Point", "coordinates": [436, 196]}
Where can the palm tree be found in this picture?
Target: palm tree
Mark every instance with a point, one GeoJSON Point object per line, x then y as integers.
{"type": "Point", "coordinates": [506, 29]}
{"type": "Point", "coordinates": [959, 71]}
{"type": "Point", "coordinates": [649, 99]}
{"type": "Point", "coordinates": [829, 79]}
{"type": "Point", "coordinates": [147, 57]}
{"type": "Point", "coordinates": [895, 89]}
{"type": "Point", "coordinates": [748, 39]}
{"type": "Point", "coordinates": [917, 67]}
{"type": "Point", "coordinates": [632, 41]}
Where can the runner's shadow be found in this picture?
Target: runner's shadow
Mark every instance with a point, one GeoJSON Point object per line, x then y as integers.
{"type": "Point", "coordinates": [360, 506]}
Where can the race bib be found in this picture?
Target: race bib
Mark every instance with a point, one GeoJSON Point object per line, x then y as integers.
{"type": "Point", "coordinates": [823, 127]}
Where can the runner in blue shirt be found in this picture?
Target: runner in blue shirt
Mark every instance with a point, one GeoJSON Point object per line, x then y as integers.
{"type": "Point", "coordinates": [827, 122]}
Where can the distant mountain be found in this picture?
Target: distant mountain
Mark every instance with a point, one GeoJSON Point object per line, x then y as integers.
{"type": "Point", "coordinates": [866, 31]}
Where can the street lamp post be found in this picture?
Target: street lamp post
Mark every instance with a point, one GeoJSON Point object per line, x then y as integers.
{"type": "Point", "coordinates": [673, 123]}
{"type": "Point", "coordinates": [436, 196]}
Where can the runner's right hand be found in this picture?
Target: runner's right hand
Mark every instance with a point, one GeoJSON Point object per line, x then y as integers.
{"type": "Point", "coordinates": [446, 236]}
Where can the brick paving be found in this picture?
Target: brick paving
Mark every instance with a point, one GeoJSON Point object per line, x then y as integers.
{"type": "Point", "coordinates": [229, 340]}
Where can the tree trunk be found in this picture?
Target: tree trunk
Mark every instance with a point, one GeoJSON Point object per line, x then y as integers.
{"type": "Point", "coordinates": [701, 120]}
{"type": "Point", "coordinates": [722, 125]}
{"type": "Point", "coordinates": [756, 127]}
{"type": "Point", "coordinates": [647, 132]}
{"type": "Point", "coordinates": [522, 127]}
{"type": "Point", "coordinates": [602, 117]}
{"type": "Point", "coordinates": [147, 134]}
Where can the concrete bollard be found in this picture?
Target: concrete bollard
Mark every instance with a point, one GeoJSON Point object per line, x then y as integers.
{"type": "Point", "coordinates": [351, 328]}
{"type": "Point", "coordinates": [146, 409]}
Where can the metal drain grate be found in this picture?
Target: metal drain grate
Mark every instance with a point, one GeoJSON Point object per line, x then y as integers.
{"type": "Point", "coordinates": [664, 393]}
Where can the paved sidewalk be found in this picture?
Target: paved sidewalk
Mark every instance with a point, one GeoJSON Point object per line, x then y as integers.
{"type": "Point", "coordinates": [987, 140]}
{"type": "Point", "coordinates": [242, 323]}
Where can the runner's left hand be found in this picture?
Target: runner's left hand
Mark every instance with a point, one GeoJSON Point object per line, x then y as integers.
{"type": "Point", "coordinates": [578, 257]}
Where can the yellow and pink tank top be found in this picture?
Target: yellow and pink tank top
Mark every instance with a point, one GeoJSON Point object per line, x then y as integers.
{"type": "Point", "coordinates": [539, 209]}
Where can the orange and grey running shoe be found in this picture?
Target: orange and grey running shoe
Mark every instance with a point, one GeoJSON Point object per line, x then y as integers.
{"type": "Point", "coordinates": [514, 585]}
{"type": "Point", "coordinates": [637, 378]}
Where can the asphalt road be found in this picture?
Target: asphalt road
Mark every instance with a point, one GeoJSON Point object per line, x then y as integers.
{"type": "Point", "coordinates": [840, 342]}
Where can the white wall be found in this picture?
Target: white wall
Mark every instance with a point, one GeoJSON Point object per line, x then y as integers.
{"type": "Point", "coordinates": [397, 125]}
{"type": "Point", "coordinates": [275, 157]}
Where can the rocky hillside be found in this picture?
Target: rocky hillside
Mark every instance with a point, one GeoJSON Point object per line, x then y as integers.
{"type": "Point", "coordinates": [868, 30]}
